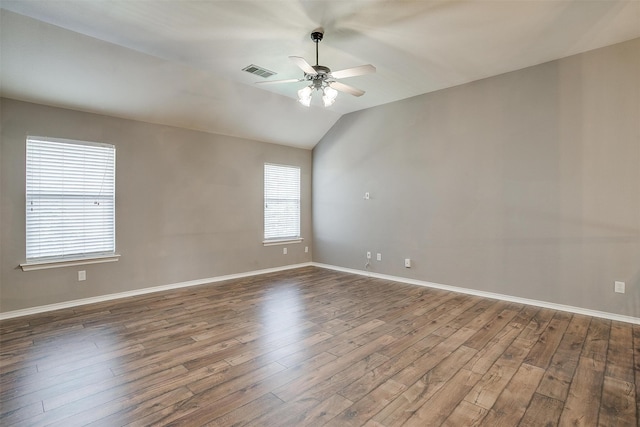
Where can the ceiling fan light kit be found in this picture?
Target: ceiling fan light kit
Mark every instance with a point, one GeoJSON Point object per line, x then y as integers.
{"type": "Point", "coordinates": [321, 78]}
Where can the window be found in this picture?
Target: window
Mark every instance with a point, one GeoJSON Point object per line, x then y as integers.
{"type": "Point", "coordinates": [70, 195]}
{"type": "Point", "coordinates": [281, 203]}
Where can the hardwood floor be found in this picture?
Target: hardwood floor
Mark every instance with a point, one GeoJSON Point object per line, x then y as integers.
{"type": "Point", "coordinates": [311, 347]}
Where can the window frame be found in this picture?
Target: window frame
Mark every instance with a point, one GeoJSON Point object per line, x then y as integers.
{"type": "Point", "coordinates": [281, 240]}
{"type": "Point", "coordinates": [31, 194]}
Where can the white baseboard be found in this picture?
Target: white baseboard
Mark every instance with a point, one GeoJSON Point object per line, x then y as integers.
{"type": "Point", "coordinates": [109, 297]}
{"type": "Point", "coordinates": [527, 301]}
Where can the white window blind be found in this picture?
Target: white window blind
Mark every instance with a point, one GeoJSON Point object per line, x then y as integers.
{"type": "Point", "coordinates": [70, 195]}
{"type": "Point", "coordinates": [281, 202]}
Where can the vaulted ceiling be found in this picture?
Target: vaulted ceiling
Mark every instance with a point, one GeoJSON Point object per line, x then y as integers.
{"type": "Point", "coordinates": [180, 62]}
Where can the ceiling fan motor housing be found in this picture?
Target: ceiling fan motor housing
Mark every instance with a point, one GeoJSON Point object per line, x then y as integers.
{"type": "Point", "coordinates": [317, 79]}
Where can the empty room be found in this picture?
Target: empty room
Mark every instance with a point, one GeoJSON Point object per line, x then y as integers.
{"type": "Point", "coordinates": [306, 213]}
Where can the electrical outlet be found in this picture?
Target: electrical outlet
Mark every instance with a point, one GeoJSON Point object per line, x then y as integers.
{"type": "Point", "coordinates": [407, 262]}
{"type": "Point", "coordinates": [367, 196]}
{"type": "Point", "coordinates": [284, 251]}
{"type": "Point", "coordinates": [82, 275]}
{"type": "Point", "coordinates": [619, 287]}
{"type": "Point", "coordinates": [379, 256]}
{"type": "Point", "coordinates": [306, 249]}
{"type": "Point", "coordinates": [368, 255]}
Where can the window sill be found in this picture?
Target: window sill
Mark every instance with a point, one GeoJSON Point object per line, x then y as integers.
{"type": "Point", "coordinates": [274, 242]}
{"type": "Point", "coordinates": [42, 265]}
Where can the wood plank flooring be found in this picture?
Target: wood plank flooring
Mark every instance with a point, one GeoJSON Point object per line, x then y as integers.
{"type": "Point", "coordinates": [312, 347]}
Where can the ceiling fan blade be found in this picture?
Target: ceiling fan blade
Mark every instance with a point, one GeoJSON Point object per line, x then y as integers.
{"type": "Point", "coordinates": [279, 81]}
{"type": "Point", "coordinates": [346, 88]}
{"type": "Point", "coordinates": [304, 65]}
{"type": "Point", "coordinates": [355, 71]}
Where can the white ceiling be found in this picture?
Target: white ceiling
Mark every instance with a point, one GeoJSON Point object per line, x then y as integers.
{"type": "Point", "coordinates": [179, 62]}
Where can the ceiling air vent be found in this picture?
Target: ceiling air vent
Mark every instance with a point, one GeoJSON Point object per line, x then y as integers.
{"type": "Point", "coordinates": [258, 71]}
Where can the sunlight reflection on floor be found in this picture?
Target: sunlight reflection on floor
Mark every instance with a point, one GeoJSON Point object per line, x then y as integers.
{"type": "Point", "coordinates": [281, 317]}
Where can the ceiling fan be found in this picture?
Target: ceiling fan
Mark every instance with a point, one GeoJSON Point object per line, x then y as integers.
{"type": "Point", "coordinates": [322, 79]}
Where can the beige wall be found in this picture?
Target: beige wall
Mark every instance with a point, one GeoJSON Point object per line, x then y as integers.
{"type": "Point", "coordinates": [525, 184]}
{"type": "Point", "coordinates": [188, 206]}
